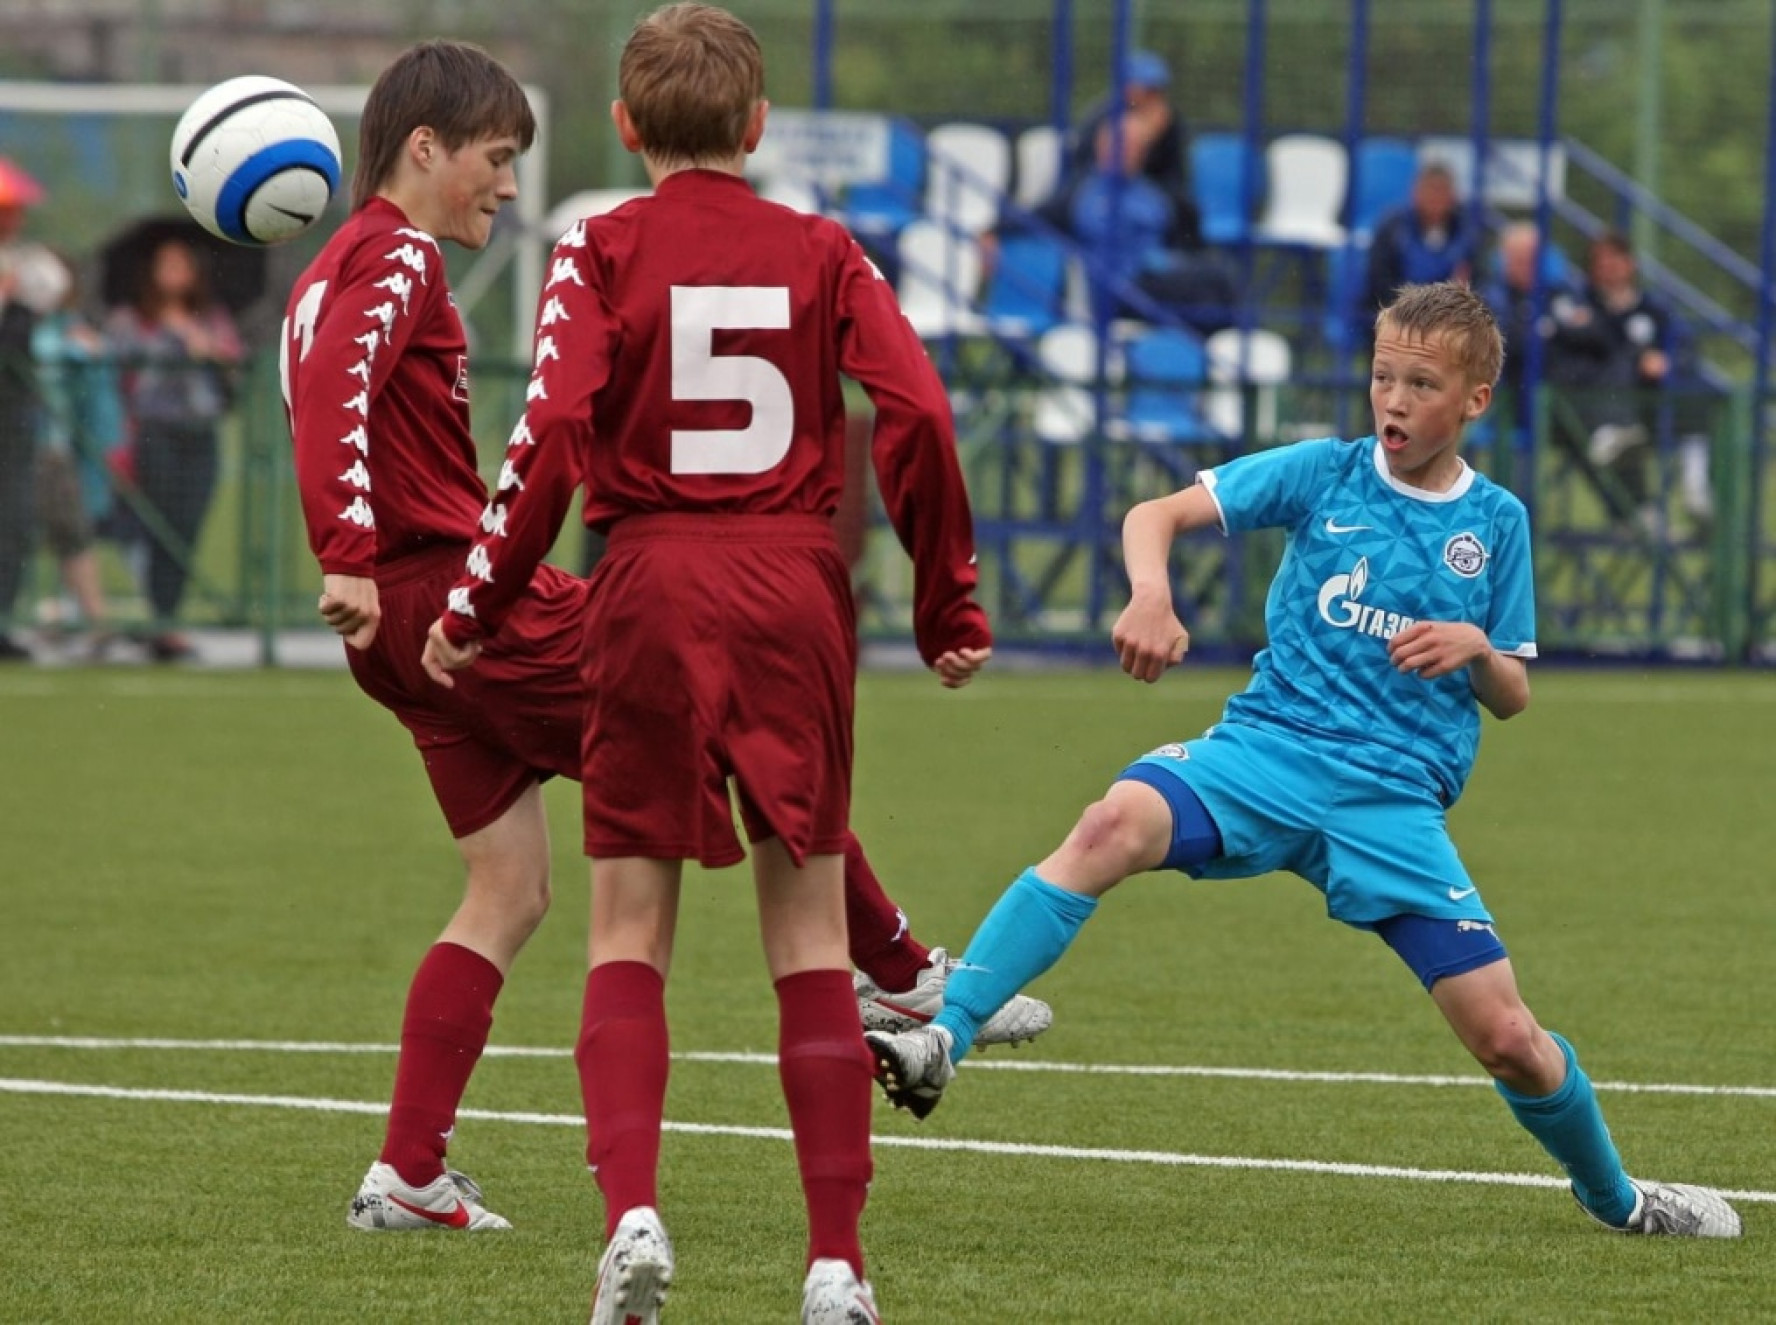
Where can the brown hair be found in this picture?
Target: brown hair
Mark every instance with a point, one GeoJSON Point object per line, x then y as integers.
{"type": "Point", "coordinates": [1453, 312]}
{"type": "Point", "coordinates": [152, 301]}
{"type": "Point", "coordinates": [690, 77]}
{"type": "Point", "coordinates": [455, 89]}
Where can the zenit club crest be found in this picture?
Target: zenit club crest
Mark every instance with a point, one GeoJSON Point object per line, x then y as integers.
{"type": "Point", "coordinates": [1465, 555]}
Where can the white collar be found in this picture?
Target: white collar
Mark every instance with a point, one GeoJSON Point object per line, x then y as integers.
{"type": "Point", "coordinates": [1455, 491]}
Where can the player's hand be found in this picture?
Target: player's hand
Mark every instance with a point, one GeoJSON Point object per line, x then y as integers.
{"type": "Point", "coordinates": [1430, 649]}
{"type": "Point", "coordinates": [1149, 637]}
{"type": "Point", "coordinates": [441, 657]}
{"type": "Point", "coordinates": [957, 667]}
{"type": "Point", "coordinates": [350, 606]}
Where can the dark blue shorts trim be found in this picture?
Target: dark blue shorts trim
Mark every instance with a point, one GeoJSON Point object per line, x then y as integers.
{"type": "Point", "coordinates": [1435, 949]}
{"type": "Point", "coordinates": [1195, 839]}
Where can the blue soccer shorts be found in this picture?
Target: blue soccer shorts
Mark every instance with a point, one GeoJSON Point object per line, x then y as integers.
{"type": "Point", "coordinates": [1375, 845]}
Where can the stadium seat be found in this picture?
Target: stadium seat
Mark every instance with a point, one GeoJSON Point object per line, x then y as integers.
{"type": "Point", "coordinates": [1384, 171]}
{"type": "Point", "coordinates": [1223, 177]}
{"type": "Point", "coordinates": [1347, 272]}
{"type": "Point", "coordinates": [1027, 293]}
{"type": "Point", "coordinates": [1166, 370]}
{"type": "Point", "coordinates": [939, 278]}
{"type": "Point", "coordinates": [1242, 362]}
{"type": "Point", "coordinates": [1308, 173]}
{"type": "Point", "coordinates": [1040, 152]}
{"type": "Point", "coordinates": [1066, 411]}
{"type": "Point", "coordinates": [875, 210]}
{"type": "Point", "coordinates": [968, 172]}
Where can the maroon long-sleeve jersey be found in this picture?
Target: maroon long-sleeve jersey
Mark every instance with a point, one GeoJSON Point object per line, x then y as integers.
{"type": "Point", "coordinates": [375, 369]}
{"type": "Point", "coordinates": [688, 358]}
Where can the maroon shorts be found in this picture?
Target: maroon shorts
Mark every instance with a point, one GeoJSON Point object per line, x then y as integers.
{"type": "Point", "coordinates": [718, 647]}
{"type": "Point", "coordinates": [513, 718]}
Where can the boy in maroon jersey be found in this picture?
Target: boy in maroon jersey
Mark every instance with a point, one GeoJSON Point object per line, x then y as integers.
{"type": "Point", "coordinates": [374, 372]}
{"type": "Point", "coordinates": [689, 347]}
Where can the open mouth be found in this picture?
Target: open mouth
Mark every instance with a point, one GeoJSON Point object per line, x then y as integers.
{"type": "Point", "coordinates": [1394, 437]}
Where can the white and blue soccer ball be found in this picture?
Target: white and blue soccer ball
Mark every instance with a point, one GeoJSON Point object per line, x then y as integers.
{"type": "Point", "coordinates": [255, 160]}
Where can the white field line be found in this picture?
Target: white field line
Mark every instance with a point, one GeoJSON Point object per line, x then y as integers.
{"type": "Point", "coordinates": [978, 1063]}
{"type": "Point", "coordinates": [1163, 1158]}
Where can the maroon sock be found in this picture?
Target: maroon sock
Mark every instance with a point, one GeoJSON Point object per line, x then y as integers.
{"type": "Point", "coordinates": [882, 944]}
{"type": "Point", "coordinates": [449, 1011]}
{"type": "Point", "coordinates": [623, 1059]}
{"type": "Point", "coordinates": [826, 1072]}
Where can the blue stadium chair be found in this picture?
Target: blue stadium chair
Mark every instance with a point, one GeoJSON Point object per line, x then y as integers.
{"type": "Point", "coordinates": [876, 210]}
{"type": "Point", "coordinates": [1167, 368]}
{"type": "Point", "coordinates": [1027, 294]}
{"type": "Point", "coordinates": [1222, 166]}
{"type": "Point", "coordinates": [1385, 169]}
{"type": "Point", "coordinates": [1347, 272]}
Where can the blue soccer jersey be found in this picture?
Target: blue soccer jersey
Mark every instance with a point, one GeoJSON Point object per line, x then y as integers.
{"type": "Point", "coordinates": [1367, 556]}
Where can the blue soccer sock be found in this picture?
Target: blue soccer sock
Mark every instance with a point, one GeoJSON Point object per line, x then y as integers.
{"type": "Point", "coordinates": [1025, 933]}
{"type": "Point", "coordinates": [1570, 1127]}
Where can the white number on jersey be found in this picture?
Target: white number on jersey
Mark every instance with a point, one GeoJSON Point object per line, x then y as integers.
{"type": "Point", "coordinates": [698, 373]}
{"type": "Point", "coordinates": [301, 322]}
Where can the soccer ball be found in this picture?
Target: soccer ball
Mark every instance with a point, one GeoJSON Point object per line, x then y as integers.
{"type": "Point", "coordinates": [255, 160]}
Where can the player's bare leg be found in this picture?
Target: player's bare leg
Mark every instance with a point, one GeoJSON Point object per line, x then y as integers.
{"type": "Point", "coordinates": [444, 1030]}
{"type": "Point", "coordinates": [623, 1060]}
{"type": "Point", "coordinates": [821, 1059]}
{"type": "Point", "coordinates": [1547, 1091]}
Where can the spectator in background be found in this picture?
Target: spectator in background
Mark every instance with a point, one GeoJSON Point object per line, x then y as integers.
{"type": "Point", "coordinates": [1510, 293]}
{"type": "Point", "coordinates": [178, 349]}
{"type": "Point", "coordinates": [25, 294]}
{"type": "Point", "coordinates": [80, 424]}
{"type": "Point", "coordinates": [1630, 359]}
{"type": "Point", "coordinates": [1134, 233]}
{"type": "Point", "coordinates": [1427, 239]}
{"type": "Point", "coordinates": [1161, 151]}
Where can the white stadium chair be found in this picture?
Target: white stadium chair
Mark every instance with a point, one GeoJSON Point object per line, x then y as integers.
{"type": "Point", "coordinates": [940, 271]}
{"type": "Point", "coordinates": [1040, 149]}
{"type": "Point", "coordinates": [1308, 174]}
{"type": "Point", "coordinates": [968, 171]}
{"type": "Point", "coordinates": [1258, 360]}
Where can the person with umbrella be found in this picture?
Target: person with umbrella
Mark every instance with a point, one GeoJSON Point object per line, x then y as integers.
{"type": "Point", "coordinates": [178, 347]}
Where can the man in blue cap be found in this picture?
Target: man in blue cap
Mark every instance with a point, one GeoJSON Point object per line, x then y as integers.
{"type": "Point", "coordinates": [1160, 142]}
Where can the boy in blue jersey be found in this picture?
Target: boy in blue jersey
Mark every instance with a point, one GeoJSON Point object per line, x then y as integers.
{"type": "Point", "coordinates": [1404, 602]}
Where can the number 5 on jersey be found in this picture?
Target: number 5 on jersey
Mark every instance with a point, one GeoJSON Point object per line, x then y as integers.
{"type": "Point", "coordinates": [698, 373]}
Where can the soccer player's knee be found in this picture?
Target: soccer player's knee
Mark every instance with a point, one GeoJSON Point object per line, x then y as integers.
{"type": "Point", "coordinates": [1109, 831]}
{"type": "Point", "coordinates": [1506, 1046]}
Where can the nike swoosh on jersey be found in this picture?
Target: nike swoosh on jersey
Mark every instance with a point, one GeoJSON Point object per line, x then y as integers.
{"type": "Point", "coordinates": [453, 1218]}
{"type": "Point", "coordinates": [1333, 527]}
{"type": "Point", "coordinates": [1456, 894]}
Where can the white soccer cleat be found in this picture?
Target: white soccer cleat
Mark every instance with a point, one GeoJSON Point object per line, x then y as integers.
{"type": "Point", "coordinates": [913, 1067]}
{"type": "Point", "coordinates": [385, 1203]}
{"type": "Point", "coordinates": [634, 1272]}
{"type": "Point", "coordinates": [1023, 1018]}
{"type": "Point", "coordinates": [1672, 1209]}
{"type": "Point", "coordinates": [833, 1295]}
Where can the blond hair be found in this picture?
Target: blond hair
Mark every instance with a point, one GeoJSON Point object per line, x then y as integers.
{"type": "Point", "coordinates": [1453, 313]}
{"type": "Point", "coordinates": [691, 76]}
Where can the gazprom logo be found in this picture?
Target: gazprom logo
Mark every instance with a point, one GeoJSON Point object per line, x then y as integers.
{"type": "Point", "coordinates": [1341, 608]}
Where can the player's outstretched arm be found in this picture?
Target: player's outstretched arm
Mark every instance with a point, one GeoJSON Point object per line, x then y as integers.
{"type": "Point", "coordinates": [1148, 635]}
{"type": "Point", "coordinates": [957, 667]}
